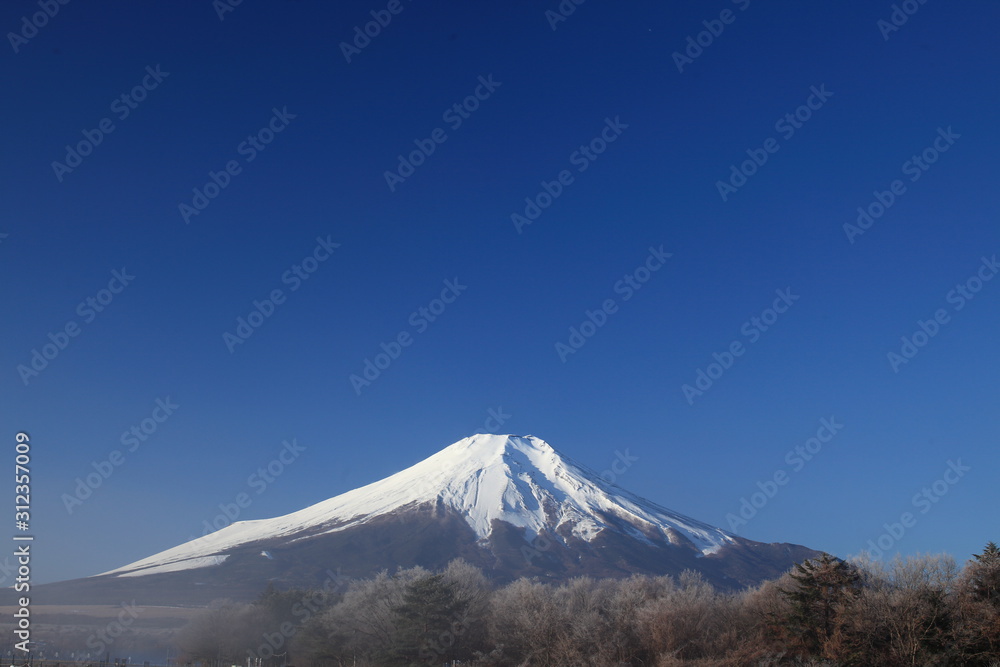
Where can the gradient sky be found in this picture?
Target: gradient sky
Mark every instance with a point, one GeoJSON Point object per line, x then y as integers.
{"type": "Point", "coordinates": [494, 347]}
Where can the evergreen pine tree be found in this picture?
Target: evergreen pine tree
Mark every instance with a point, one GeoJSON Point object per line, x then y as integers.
{"type": "Point", "coordinates": [431, 621]}
{"type": "Point", "coordinates": [986, 574]}
{"type": "Point", "coordinates": [824, 587]}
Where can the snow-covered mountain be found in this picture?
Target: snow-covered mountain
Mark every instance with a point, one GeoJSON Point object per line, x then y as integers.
{"type": "Point", "coordinates": [510, 504]}
{"type": "Point", "coordinates": [519, 480]}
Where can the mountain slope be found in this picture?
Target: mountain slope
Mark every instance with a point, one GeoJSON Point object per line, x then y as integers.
{"type": "Point", "coordinates": [510, 504]}
{"type": "Point", "coordinates": [520, 481]}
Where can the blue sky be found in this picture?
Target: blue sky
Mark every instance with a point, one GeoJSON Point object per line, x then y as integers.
{"type": "Point", "coordinates": [207, 86]}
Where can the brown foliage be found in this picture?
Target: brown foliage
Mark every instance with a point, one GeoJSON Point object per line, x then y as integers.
{"type": "Point", "coordinates": [918, 611]}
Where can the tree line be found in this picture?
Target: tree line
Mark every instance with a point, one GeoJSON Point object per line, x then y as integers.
{"type": "Point", "coordinates": [923, 610]}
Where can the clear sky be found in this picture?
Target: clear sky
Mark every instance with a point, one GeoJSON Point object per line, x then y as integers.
{"type": "Point", "coordinates": [211, 161]}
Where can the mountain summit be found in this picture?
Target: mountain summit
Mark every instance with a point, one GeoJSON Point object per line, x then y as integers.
{"type": "Point", "coordinates": [510, 504]}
